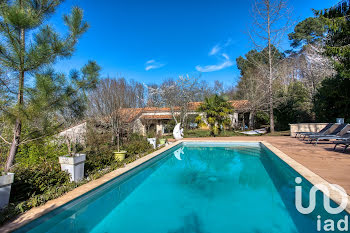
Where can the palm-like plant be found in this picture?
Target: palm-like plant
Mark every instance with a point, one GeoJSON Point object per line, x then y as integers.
{"type": "Point", "coordinates": [217, 110]}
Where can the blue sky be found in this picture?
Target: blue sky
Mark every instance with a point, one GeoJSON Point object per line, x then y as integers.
{"type": "Point", "coordinates": [152, 40]}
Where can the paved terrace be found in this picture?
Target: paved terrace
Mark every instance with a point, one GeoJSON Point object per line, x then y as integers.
{"type": "Point", "coordinates": [333, 166]}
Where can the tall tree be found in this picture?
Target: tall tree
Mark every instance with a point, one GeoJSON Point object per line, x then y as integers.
{"type": "Point", "coordinates": [338, 35]}
{"type": "Point", "coordinates": [271, 19]}
{"type": "Point", "coordinates": [294, 107]}
{"type": "Point", "coordinates": [332, 98]}
{"type": "Point", "coordinates": [28, 45]}
{"type": "Point", "coordinates": [177, 94]}
{"type": "Point", "coordinates": [309, 31]}
{"type": "Point", "coordinates": [311, 64]}
{"type": "Point", "coordinates": [115, 100]}
{"type": "Point", "coordinates": [54, 101]}
{"type": "Point", "coordinates": [253, 79]}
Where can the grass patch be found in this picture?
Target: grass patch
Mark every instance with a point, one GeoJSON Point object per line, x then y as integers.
{"type": "Point", "coordinates": [279, 133]}
{"type": "Point", "coordinates": [198, 133]}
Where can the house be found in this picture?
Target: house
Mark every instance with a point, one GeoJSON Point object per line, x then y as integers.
{"type": "Point", "coordinates": [157, 120]}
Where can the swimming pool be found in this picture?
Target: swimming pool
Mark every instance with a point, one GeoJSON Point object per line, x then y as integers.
{"type": "Point", "coordinates": [193, 187]}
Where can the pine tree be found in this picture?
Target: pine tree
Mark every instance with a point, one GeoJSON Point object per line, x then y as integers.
{"type": "Point", "coordinates": [309, 31]}
{"type": "Point", "coordinates": [29, 45]}
{"type": "Point", "coordinates": [332, 98]}
{"type": "Point", "coordinates": [337, 19]}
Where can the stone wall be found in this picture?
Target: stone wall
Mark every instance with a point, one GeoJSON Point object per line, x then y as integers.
{"type": "Point", "coordinates": [306, 127]}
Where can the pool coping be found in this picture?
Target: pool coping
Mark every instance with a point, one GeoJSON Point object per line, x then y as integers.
{"type": "Point", "coordinates": [312, 177]}
{"type": "Point", "coordinates": [39, 211]}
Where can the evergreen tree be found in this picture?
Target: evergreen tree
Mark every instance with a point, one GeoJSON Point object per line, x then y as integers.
{"type": "Point", "coordinates": [309, 31]}
{"type": "Point", "coordinates": [29, 45]}
{"type": "Point", "coordinates": [294, 108]}
{"type": "Point", "coordinates": [338, 35]}
{"type": "Point", "coordinates": [332, 98]}
{"type": "Point", "coordinates": [217, 110]}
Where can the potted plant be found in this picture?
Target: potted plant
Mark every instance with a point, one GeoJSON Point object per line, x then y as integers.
{"type": "Point", "coordinates": [73, 163]}
{"type": "Point", "coordinates": [162, 141]}
{"type": "Point", "coordinates": [6, 180]}
{"type": "Point", "coordinates": [119, 155]}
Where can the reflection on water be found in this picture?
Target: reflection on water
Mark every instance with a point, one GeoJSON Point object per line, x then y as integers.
{"type": "Point", "coordinates": [178, 153]}
{"type": "Point", "coordinates": [191, 224]}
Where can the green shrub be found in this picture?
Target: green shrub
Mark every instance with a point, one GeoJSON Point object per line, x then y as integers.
{"type": "Point", "coordinates": [36, 179]}
{"type": "Point", "coordinates": [295, 107]}
{"type": "Point", "coordinates": [16, 208]}
{"type": "Point", "coordinates": [261, 118]}
{"type": "Point", "coordinates": [139, 146]}
{"type": "Point", "coordinates": [37, 169]}
{"type": "Point", "coordinates": [40, 151]}
{"type": "Point", "coordinates": [97, 160]}
{"type": "Point", "coordinates": [135, 137]}
{"type": "Point", "coordinates": [332, 99]}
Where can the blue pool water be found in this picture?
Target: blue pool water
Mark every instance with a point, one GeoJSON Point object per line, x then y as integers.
{"type": "Point", "coordinates": [193, 187]}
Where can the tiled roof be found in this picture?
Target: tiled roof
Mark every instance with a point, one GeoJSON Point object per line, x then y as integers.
{"type": "Point", "coordinates": [155, 109]}
{"type": "Point", "coordinates": [127, 115]}
{"type": "Point", "coordinates": [237, 104]}
{"type": "Point", "coordinates": [158, 117]}
{"type": "Point", "coordinates": [130, 114]}
{"type": "Point", "coordinates": [240, 104]}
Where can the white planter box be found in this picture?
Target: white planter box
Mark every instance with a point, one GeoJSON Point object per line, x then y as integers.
{"type": "Point", "coordinates": [5, 188]}
{"type": "Point", "coordinates": [74, 165]}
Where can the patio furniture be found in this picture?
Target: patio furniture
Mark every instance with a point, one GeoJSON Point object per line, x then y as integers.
{"type": "Point", "coordinates": [321, 132]}
{"type": "Point", "coordinates": [335, 134]}
{"type": "Point", "coordinates": [346, 144]}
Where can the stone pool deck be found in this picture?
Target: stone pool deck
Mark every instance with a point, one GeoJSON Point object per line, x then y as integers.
{"type": "Point", "coordinates": [332, 166]}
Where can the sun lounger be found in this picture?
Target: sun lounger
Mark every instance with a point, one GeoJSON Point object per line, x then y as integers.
{"type": "Point", "coordinates": [325, 130]}
{"type": "Point", "coordinates": [346, 143]}
{"type": "Point", "coordinates": [335, 134]}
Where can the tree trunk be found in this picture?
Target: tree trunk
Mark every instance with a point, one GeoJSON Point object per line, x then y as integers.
{"type": "Point", "coordinates": [243, 122]}
{"type": "Point", "coordinates": [251, 119]}
{"type": "Point", "coordinates": [113, 131]}
{"type": "Point", "coordinates": [14, 146]}
{"type": "Point", "coordinates": [173, 114]}
{"type": "Point", "coordinates": [272, 122]}
{"type": "Point", "coordinates": [18, 125]}
{"type": "Point", "coordinates": [118, 135]}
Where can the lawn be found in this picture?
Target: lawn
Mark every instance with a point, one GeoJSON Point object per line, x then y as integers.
{"type": "Point", "coordinates": [198, 133]}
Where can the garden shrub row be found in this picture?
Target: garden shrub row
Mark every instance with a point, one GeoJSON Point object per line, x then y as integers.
{"type": "Point", "coordinates": [38, 176]}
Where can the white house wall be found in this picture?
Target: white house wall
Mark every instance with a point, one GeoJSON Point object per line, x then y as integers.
{"type": "Point", "coordinates": [138, 127]}
{"type": "Point", "coordinates": [76, 134]}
